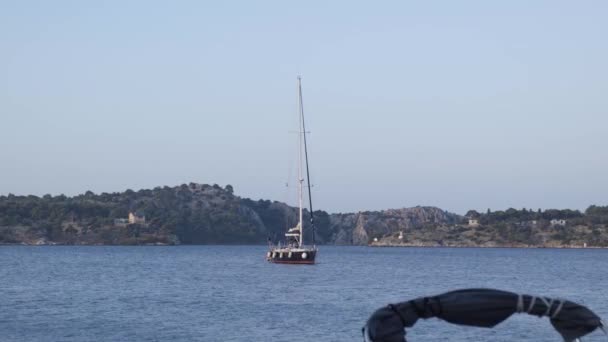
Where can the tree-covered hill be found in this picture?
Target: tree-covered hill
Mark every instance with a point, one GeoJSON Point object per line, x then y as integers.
{"type": "Point", "coordinates": [190, 213]}
{"type": "Point", "coordinates": [210, 214]}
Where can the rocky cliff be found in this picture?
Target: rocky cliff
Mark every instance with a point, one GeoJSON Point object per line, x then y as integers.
{"type": "Point", "coordinates": [362, 228]}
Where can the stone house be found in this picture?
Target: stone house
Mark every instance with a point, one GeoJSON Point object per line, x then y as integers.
{"type": "Point", "coordinates": [137, 218]}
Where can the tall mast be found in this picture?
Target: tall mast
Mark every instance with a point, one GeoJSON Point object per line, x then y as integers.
{"type": "Point", "coordinates": [300, 179]}
{"type": "Point", "coordinates": [312, 218]}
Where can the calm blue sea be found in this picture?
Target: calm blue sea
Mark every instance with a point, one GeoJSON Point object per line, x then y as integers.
{"type": "Point", "coordinates": [229, 293]}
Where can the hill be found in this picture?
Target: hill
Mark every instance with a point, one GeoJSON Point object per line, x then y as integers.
{"type": "Point", "coordinates": [210, 214]}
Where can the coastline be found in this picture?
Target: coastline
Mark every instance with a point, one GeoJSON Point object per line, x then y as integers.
{"type": "Point", "coordinates": [406, 245]}
{"type": "Point", "coordinates": [373, 245]}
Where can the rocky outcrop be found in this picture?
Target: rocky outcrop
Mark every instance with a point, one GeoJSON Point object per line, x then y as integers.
{"type": "Point", "coordinates": [342, 227]}
{"type": "Point", "coordinates": [360, 236]}
{"type": "Point", "coordinates": [363, 227]}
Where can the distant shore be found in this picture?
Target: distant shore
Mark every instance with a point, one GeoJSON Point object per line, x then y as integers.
{"type": "Point", "coordinates": [374, 245]}
{"type": "Point", "coordinates": [389, 245]}
{"type": "Point", "coordinates": [207, 214]}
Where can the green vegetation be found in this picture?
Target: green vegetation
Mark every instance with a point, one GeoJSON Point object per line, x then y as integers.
{"type": "Point", "coordinates": [513, 215]}
{"type": "Point", "coordinates": [210, 214]}
{"type": "Point", "coordinates": [190, 213]}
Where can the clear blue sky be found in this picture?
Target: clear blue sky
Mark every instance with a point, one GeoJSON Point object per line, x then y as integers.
{"type": "Point", "coordinates": [458, 104]}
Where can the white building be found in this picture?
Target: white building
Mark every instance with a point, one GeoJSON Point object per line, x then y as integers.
{"type": "Point", "coordinates": [473, 223]}
{"type": "Point", "coordinates": [558, 222]}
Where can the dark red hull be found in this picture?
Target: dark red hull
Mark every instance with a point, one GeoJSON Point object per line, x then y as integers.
{"type": "Point", "coordinates": [306, 257]}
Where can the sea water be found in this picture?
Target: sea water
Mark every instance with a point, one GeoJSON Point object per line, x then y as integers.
{"type": "Point", "coordinates": [230, 293]}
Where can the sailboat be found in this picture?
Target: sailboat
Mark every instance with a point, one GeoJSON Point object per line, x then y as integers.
{"type": "Point", "coordinates": [294, 251]}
